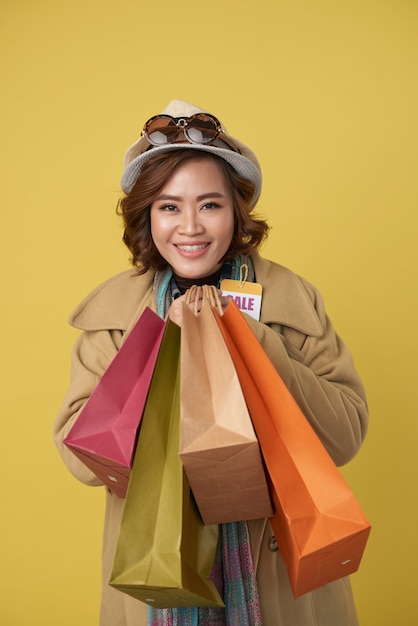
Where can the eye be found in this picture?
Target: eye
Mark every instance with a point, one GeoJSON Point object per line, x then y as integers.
{"type": "Point", "coordinates": [169, 208]}
{"type": "Point", "coordinates": [211, 205]}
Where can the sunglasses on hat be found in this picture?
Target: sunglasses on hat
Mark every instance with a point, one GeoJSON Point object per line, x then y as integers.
{"type": "Point", "coordinates": [201, 128]}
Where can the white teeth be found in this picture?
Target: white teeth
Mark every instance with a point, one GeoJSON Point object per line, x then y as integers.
{"type": "Point", "coordinates": [192, 248]}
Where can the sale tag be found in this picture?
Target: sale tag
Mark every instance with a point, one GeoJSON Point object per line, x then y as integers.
{"type": "Point", "coordinates": [247, 296]}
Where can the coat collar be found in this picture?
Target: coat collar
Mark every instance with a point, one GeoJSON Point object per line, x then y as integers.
{"type": "Point", "coordinates": [286, 300]}
{"type": "Point", "coordinates": [118, 302]}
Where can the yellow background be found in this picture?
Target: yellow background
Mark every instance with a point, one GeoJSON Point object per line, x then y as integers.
{"type": "Point", "coordinates": [325, 92]}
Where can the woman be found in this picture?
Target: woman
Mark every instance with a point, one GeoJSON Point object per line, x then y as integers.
{"type": "Point", "coordinates": [190, 190]}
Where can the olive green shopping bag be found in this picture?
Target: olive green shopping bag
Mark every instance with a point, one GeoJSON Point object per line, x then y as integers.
{"type": "Point", "coordinates": [164, 553]}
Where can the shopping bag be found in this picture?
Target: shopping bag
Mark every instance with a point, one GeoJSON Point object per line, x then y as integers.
{"type": "Point", "coordinates": [164, 553]}
{"type": "Point", "coordinates": [218, 446]}
{"type": "Point", "coordinates": [319, 526]}
{"type": "Point", "coordinates": [105, 433]}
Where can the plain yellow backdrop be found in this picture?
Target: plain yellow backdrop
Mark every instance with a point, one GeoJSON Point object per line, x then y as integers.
{"type": "Point", "coordinates": [325, 92]}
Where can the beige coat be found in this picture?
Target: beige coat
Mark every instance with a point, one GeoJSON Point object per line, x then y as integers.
{"type": "Point", "coordinates": [315, 365]}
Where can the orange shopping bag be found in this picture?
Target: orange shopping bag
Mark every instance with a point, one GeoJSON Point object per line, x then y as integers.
{"type": "Point", "coordinates": [319, 526]}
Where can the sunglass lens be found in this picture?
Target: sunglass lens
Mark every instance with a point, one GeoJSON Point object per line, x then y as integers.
{"type": "Point", "coordinates": [201, 129]}
{"type": "Point", "coordinates": [162, 130]}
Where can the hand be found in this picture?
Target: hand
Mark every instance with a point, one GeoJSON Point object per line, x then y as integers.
{"type": "Point", "coordinates": [175, 310]}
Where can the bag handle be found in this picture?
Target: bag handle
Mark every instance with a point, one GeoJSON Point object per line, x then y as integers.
{"type": "Point", "coordinates": [196, 291]}
{"type": "Point", "coordinates": [211, 293]}
{"type": "Point", "coordinates": [206, 293]}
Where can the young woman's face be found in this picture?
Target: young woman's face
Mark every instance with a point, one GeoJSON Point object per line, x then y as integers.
{"type": "Point", "coordinates": [192, 219]}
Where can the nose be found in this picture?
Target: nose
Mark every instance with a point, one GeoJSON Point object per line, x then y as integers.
{"type": "Point", "coordinates": [190, 223]}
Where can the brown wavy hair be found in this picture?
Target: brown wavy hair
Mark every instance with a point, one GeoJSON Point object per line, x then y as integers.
{"type": "Point", "coordinates": [249, 231]}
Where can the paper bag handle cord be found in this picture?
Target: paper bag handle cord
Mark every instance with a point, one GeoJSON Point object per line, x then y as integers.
{"type": "Point", "coordinates": [211, 293]}
{"type": "Point", "coordinates": [206, 293]}
{"type": "Point", "coordinates": [193, 290]}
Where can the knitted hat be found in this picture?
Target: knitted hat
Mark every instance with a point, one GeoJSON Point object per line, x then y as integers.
{"type": "Point", "coordinates": [243, 161]}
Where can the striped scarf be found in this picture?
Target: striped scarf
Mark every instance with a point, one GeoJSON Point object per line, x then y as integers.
{"type": "Point", "coordinates": [233, 570]}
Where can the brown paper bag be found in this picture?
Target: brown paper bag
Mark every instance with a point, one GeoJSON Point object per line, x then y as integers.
{"type": "Point", "coordinates": [218, 446]}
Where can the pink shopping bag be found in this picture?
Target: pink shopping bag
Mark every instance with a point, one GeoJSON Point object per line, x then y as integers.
{"type": "Point", "coordinates": [105, 433]}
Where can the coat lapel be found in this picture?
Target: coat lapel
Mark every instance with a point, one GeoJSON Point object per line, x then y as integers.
{"type": "Point", "coordinates": [286, 300]}
{"type": "Point", "coordinates": [115, 304]}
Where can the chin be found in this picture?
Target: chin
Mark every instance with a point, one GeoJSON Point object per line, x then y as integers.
{"type": "Point", "coordinates": [192, 273]}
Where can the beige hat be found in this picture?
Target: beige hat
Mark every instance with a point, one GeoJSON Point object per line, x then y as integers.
{"type": "Point", "coordinates": [244, 162]}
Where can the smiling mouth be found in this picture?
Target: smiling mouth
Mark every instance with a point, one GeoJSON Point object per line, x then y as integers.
{"type": "Point", "coordinates": [192, 248]}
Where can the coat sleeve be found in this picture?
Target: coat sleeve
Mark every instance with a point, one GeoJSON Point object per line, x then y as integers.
{"type": "Point", "coordinates": [320, 374]}
{"type": "Point", "coordinates": [91, 356]}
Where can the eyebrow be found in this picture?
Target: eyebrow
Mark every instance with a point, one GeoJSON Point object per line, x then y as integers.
{"type": "Point", "coordinates": [210, 194]}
